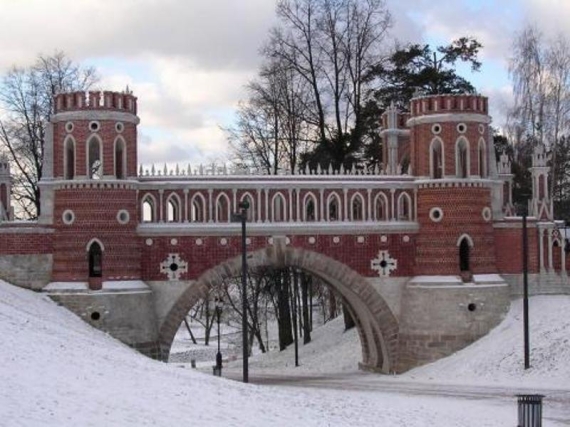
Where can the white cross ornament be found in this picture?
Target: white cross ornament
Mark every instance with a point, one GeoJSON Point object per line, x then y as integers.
{"type": "Point", "coordinates": [173, 266]}
{"type": "Point", "coordinates": [384, 264]}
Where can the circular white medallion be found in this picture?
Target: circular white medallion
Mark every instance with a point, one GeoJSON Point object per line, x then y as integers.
{"type": "Point", "coordinates": [199, 242]}
{"type": "Point", "coordinates": [336, 239]}
{"type": "Point", "coordinates": [312, 240]}
{"type": "Point", "coordinates": [173, 242]}
{"type": "Point", "coordinates": [148, 242]}
{"type": "Point", "coordinates": [223, 241]}
{"type": "Point", "coordinates": [383, 239]}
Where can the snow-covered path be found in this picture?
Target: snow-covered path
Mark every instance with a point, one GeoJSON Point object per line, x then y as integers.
{"type": "Point", "coordinates": [57, 371]}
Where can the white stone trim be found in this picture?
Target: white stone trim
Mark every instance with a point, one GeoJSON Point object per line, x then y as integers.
{"type": "Point", "coordinates": [465, 236]}
{"type": "Point", "coordinates": [68, 217]}
{"type": "Point", "coordinates": [282, 228]}
{"type": "Point", "coordinates": [89, 115]}
{"type": "Point", "coordinates": [123, 216]}
{"type": "Point", "coordinates": [436, 214]}
{"type": "Point", "coordinates": [93, 240]}
{"type": "Point", "coordinates": [449, 117]}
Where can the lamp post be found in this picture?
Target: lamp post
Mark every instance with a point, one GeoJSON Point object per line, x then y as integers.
{"type": "Point", "coordinates": [219, 303]}
{"type": "Point", "coordinates": [242, 217]}
{"type": "Point", "coordinates": [525, 296]}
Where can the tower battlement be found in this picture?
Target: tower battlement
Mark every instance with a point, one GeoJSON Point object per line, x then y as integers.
{"type": "Point", "coordinates": [95, 100]}
{"type": "Point", "coordinates": [438, 104]}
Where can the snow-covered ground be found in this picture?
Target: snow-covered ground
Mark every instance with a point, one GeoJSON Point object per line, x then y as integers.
{"type": "Point", "coordinates": [57, 371]}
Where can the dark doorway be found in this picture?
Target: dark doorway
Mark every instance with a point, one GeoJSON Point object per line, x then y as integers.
{"type": "Point", "coordinates": [464, 255]}
{"type": "Point", "coordinates": [95, 260]}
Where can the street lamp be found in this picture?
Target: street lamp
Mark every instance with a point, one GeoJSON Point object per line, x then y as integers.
{"type": "Point", "coordinates": [242, 217]}
{"type": "Point", "coordinates": [524, 213]}
{"type": "Point", "coordinates": [219, 304]}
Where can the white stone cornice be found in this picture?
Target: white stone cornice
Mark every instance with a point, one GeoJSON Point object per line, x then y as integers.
{"type": "Point", "coordinates": [449, 117]}
{"type": "Point", "coordinates": [120, 116]}
{"type": "Point", "coordinates": [282, 228]}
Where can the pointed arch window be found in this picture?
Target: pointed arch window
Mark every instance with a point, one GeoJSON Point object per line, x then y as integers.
{"type": "Point", "coordinates": [436, 159]}
{"type": "Point", "coordinates": [222, 208]}
{"type": "Point", "coordinates": [95, 260]}
{"type": "Point", "coordinates": [94, 158]}
{"type": "Point", "coordinates": [198, 208]}
{"type": "Point", "coordinates": [482, 163]}
{"type": "Point", "coordinates": [310, 208]}
{"type": "Point", "coordinates": [173, 208]}
{"type": "Point", "coordinates": [404, 207]}
{"type": "Point", "coordinates": [380, 207]}
{"type": "Point", "coordinates": [148, 209]}
{"type": "Point", "coordinates": [462, 158]}
{"type": "Point", "coordinates": [357, 208]}
{"type": "Point", "coordinates": [69, 159]}
{"type": "Point", "coordinates": [333, 207]}
{"type": "Point", "coordinates": [278, 206]}
{"type": "Point", "coordinates": [120, 158]}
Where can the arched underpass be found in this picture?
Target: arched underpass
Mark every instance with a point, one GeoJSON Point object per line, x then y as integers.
{"type": "Point", "coordinates": [376, 324]}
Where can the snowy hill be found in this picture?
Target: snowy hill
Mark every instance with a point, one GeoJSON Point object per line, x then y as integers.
{"type": "Point", "coordinates": [55, 370]}
{"type": "Point", "coordinates": [498, 358]}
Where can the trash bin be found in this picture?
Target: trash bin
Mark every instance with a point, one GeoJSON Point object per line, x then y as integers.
{"type": "Point", "coordinates": [530, 410]}
{"type": "Point", "coordinates": [193, 363]}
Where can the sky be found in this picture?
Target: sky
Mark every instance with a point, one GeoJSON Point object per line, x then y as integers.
{"type": "Point", "coordinates": [189, 60]}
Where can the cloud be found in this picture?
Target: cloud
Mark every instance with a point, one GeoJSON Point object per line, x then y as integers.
{"type": "Point", "coordinates": [215, 33]}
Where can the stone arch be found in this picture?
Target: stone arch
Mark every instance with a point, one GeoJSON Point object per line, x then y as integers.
{"type": "Point", "coordinates": [377, 326]}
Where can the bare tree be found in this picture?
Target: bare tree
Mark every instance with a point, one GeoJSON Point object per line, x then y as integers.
{"type": "Point", "coordinates": [540, 70]}
{"type": "Point", "coordinates": [330, 44]}
{"type": "Point", "coordinates": [26, 95]}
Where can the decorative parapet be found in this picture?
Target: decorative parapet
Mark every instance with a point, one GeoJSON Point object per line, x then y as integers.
{"type": "Point", "coordinates": [95, 100]}
{"type": "Point", "coordinates": [223, 170]}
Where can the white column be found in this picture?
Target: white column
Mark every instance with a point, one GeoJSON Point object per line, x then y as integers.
{"type": "Point", "coordinates": [186, 205]}
{"type": "Point", "coordinates": [415, 204]}
{"type": "Point", "coordinates": [322, 211]}
{"type": "Point", "coordinates": [290, 204]}
{"type": "Point", "coordinates": [541, 248]}
{"type": "Point", "coordinates": [160, 202]}
{"type": "Point", "coordinates": [266, 204]}
{"type": "Point", "coordinates": [298, 218]}
{"type": "Point", "coordinates": [550, 263]}
{"type": "Point", "coordinates": [235, 206]}
{"type": "Point", "coordinates": [369, 197]}
{"type": "Point", "coordinates": [562, 255]}
{"type": "Point", "coordinates": [210, 206]}
{"type": "Point", "coordinates": [393, 209]}
{"type": "Point", "coordinates": [258, 204]}
{"type": "Point", "coordinates": [345, 195]}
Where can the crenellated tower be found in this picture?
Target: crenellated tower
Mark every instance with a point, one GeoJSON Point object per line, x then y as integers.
{"type": "Point", "coordinates": [505, 175]}
{"type": "Point", "coordinates": [541, 204]}
{"type": "Point", "coordinates": [89, 189]}
{"type": "Point", "coordinates": [450, 154]}
{"type": "Point", "coordinates": [5, 189]}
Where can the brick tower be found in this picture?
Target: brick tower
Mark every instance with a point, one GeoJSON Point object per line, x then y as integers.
{"type": "Point", "coordinates": [89, 192]}
{"type": "Point", "coordinates": [450, 155]}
